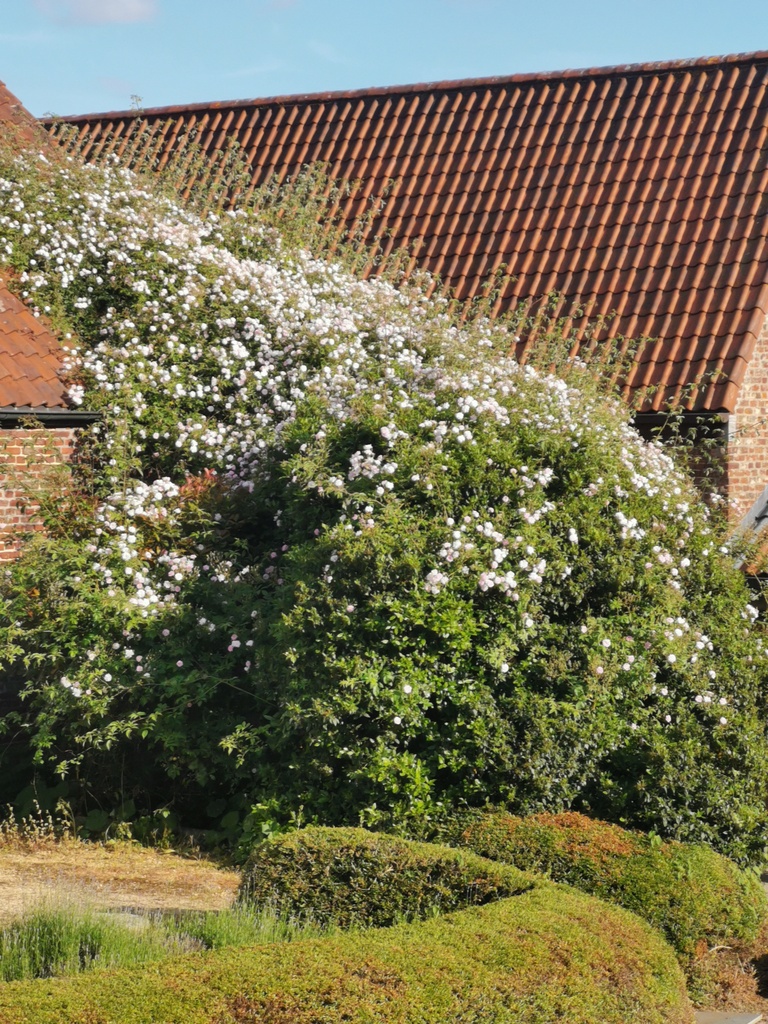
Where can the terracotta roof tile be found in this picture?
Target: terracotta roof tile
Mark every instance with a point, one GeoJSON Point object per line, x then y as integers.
{"type": "Point", "coordinates": [637, 190]}
{"type": "Point", "coordinates": [16, 119]}
{"type": "Point", "coordinates": [30, 358]}
{"type": "Point", "coordinates": [30, 354]}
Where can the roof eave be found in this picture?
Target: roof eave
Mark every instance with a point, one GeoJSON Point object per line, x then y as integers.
{"type": "Point", "coordinates": [46, 417]}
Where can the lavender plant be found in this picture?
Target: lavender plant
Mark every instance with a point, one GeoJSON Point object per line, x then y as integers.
{"type": "Point", "coordinates": [341, 559]}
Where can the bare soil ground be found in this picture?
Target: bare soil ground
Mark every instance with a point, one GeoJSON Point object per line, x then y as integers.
{"type": "Point", "coordinates": [109, 876]}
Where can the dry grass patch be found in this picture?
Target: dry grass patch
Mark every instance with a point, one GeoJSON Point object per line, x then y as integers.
{"type": "Point", "coordinates": [109, 876]}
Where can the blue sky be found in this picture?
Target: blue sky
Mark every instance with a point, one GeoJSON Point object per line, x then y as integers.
{"type": "Point", "coordinates": [81, 56]}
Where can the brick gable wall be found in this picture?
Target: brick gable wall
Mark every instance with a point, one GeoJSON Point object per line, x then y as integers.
{"type": "Point", "coordinates": [747, 471]}
{"type": "Point", "coordinates": [27, 457]}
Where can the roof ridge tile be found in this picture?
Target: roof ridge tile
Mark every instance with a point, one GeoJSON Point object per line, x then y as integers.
{"type": "Point", "coordinates": [618, 70]}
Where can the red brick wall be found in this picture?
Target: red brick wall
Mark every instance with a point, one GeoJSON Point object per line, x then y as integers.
{"type": "Point", "coordinates": [28, 458]}
{"type": "Point", "coordinates": [748, 435]}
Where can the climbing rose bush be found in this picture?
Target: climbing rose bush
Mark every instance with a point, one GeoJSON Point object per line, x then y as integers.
{"type": "Point", "coordinates": [332, 556]}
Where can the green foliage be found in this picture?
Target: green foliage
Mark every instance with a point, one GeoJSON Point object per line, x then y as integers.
{"type": "Point", "coordinates": [332, 556]}
{"type": "Point", "coordinates": [65, 940]}
{"type": "Point", "coordinates": [692, 894]}
{"type": "Point", "coordinates": [55, 941]}
{"type": "Point", "coordinates": [348, 876]}
{"type": "Point", "coordinates": [548, 954]}
{"type": "Point", "coordinates": [240, 925]}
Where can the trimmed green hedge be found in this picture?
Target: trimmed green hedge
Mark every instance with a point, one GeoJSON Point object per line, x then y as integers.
{"type": "Point", "coordinates": [550, 953]}
{"type": "Point", "coordinates": [352, 877]}
{"type": "Point", "coordinates": [692, 894]}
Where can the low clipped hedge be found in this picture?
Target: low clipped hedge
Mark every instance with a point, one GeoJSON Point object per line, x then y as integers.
{"type": "Point", "coordinates": [549, 953]}
{"type": "Point", "coordinates": [692, 894]}
{"type": "Point", "coordinates": [351, 877]}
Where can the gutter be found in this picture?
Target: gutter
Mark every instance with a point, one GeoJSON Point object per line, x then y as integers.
{"type": "Point", "coordinates": [665, 426]}
{"type": "Point", "coordinates": [19, 416]}
{"type": "Point", "coordinates": [654, 420]}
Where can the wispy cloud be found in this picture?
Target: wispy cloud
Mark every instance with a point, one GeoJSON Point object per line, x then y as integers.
{"type": "Point", "coordinates": [97, 12]}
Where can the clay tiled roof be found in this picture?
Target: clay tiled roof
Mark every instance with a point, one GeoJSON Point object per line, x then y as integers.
{"type": "Point", "coordinates": [30, 354]}
{"type": "Point", "coordinates": [640, 190]}
{"type": "Point", "coordinates": [30, 359]}
{"type": "Point", "coordinates": [16, 119]}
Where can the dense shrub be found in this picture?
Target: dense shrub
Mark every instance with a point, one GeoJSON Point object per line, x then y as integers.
{"type": "Point", "coordinates": [690, 893]}
{"type": "Point", "coordinates": [548, 954]}
{"type": "Point", "coordinates": [342, 560]}
{"type": "Point", "coordinates": [348, 876]}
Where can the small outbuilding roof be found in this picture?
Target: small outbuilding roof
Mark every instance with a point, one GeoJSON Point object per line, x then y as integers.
{"type": "Point", "coordinates": [30, 359]}
{"type": "Point", "coordinates": [639, 190]}
{"type": "Point", "coordinates": [30, 353]}
{"type": "Point", "coordinates": [14, 115]}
